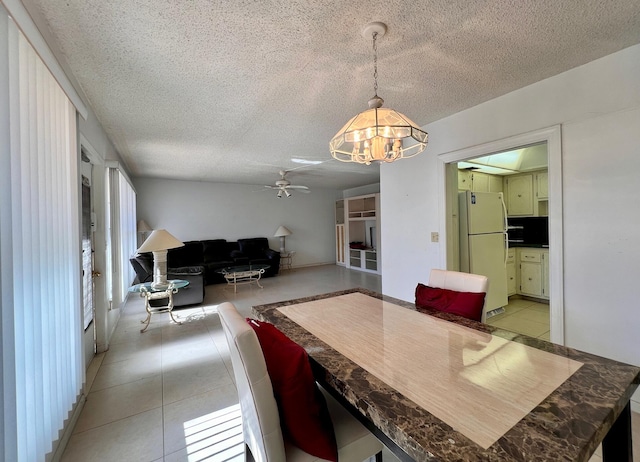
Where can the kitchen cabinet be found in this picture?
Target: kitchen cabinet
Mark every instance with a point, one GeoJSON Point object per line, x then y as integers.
{"type": "Point", "coordinates": [545, 274]}
{"type": "Point", "coordinates": [464, 180]}
{"type": "Point", "coordinates": [542, 184]}
{"type": "Point", "coordinates": [495, 183]}
{"type": "Point", "coordinates": [527, 194]}
{"type": "Point", "coordinates": [534, 272]}
{"type": "Point", "coordinates": [363, 227]}
{"type": "Point", "coordinates": [512, 286]}
{"type": "Point", "coordinates": [469, 180]}
{"type": "Point", "coordinates": [519, 195]}
{"type": "Point", "coordinates": [479, 182]}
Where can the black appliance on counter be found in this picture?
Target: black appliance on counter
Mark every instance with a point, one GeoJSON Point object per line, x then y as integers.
{"type": "Point", "coordinates": [528, 231]}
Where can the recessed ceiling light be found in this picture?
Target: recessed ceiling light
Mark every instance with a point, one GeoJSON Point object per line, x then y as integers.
{"type": "Point", "coordinates": [307, 162]}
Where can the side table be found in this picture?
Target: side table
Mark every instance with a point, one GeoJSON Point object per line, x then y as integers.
{"type": "Point", "coordinates": [286, 259]}
{"type": "Point", "coordinates": [157, 293]}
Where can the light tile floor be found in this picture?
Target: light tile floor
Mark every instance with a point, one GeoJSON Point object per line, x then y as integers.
{"type": "Point", "coordinates": [524, 317]}
{"type": "Point", "coordinates": [168, 394]}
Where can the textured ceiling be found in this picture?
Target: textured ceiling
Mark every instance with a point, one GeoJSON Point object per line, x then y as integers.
{"type": "Point", "coordinates": [230, 91]}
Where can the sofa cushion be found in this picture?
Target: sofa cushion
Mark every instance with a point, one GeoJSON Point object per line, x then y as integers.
{"type": "Point", "coordinates": [304, 415]}
{"type": "Point", "coordinates": [250, 249]}
{"type": "Point", "coordinates": [466, 304]}
{"type": "Point", "coordinates": [146, 261]}
{"type": "Point", "coordinates": [188, 255]}
{"type": "Point", "coordinates": [215, 250]}
{"type": "Point", "coordinates": [253, 247]}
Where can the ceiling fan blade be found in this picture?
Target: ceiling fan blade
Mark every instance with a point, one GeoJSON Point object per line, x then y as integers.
{"type": "Point", "coordinates": [295, 186]}
{"type": "Point", "coordinates": [271, 187]}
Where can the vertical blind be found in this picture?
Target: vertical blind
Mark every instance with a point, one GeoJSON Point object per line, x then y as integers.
{"type": "Point", "coordinates": [41, 315]}
{"type": "Point", "coordinates": [122, 226]}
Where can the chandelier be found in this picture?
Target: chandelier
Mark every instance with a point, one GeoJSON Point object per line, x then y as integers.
{"type": "Point", "coordinates": [376, 134]}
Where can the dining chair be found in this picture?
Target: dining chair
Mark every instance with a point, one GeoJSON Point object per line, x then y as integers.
{"type": "Point", "coordinates": [260, 420]}
{"type": "Point", "coordinates": [461, 282]}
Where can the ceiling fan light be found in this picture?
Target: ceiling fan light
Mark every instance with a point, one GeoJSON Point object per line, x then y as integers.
{"type": "Point", "coordinates": [288, 194]}
{"type": "Point", "coordinates": [279, 193]}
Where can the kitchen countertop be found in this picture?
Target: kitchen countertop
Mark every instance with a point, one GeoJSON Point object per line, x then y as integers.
{"type": "Point", "coordinates": [513, 245]}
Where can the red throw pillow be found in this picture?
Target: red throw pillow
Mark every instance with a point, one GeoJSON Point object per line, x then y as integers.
{"type": "Point", "coordinates": [304, 415]}
{"type": "Point", "coordinates": [466, 304]}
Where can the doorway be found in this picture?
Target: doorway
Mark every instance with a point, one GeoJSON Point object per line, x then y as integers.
{"type": "Point", "coordinates": [449, 170]}
{"type": "Point", "coordinates": [88, 299]}
{"type": "Point", "coordinates": [513, 186]}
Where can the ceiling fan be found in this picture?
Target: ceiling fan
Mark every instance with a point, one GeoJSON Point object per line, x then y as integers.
{"type": "Point", "coordinates": [284, 186]}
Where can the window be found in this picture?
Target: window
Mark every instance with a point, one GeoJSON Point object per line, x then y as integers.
{"type": "Point", "coordinates": [121, 235]}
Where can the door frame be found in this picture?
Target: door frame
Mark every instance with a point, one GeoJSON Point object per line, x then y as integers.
{"type": "Point", "coordinates": [99, 206]}
{"type": "Point", "coordinates": [89, 343]}
{"type": "Point", "coordinates": [552, 135]}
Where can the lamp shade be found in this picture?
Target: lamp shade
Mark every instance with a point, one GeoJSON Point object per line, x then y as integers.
{"type": "Point", "coordinates": [159, 239]}
{"type": "Point", "coordinates": [143, 227]}
{"type": "Point", "coordinates": [282, 231]}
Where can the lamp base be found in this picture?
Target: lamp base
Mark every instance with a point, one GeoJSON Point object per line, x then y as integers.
{"type": "Point", "coordinates": [160, 270]}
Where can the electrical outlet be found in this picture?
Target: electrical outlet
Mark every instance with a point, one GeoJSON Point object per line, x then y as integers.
{"type": "Point", "coordinates": [435, 237]}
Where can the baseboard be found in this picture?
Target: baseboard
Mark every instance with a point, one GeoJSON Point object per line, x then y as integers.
{"type": "Point", "coordinates": [310, 265]}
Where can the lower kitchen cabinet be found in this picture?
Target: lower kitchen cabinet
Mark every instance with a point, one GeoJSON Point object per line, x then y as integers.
{"type": "Point", "coordinates": [534, 272]}
{"type": "Point", "coordinates": [512, 286]}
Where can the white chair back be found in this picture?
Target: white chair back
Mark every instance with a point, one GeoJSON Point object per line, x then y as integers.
{"type": "Point", "coordinates": [260, 420]}
{"type": "Point", "coordinates": [461, 282]}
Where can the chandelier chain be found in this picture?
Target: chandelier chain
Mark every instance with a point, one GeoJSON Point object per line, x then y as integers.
{"type": "Point", "coordinates": [375, 64]}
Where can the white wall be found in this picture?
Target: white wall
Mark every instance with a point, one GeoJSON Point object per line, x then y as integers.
{"type": "Point", "coordinates": [598, 107]}
{"type": "Point", "coordinates": [192, 210]}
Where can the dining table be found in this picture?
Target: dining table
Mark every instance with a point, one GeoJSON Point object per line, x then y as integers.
{"type": "Point", "coordinates": [433, 386]}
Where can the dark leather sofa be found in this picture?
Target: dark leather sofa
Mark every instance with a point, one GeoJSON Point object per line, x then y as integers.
{"type": "Point", "coordinates": [202, 259]}
{"type": "Point", "coordinates": [193, 294]}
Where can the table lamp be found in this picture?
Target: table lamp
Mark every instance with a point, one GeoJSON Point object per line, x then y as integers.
{"type": "Point", "coordinates": [144, 229]}
{"type": "Point", "coordinates": [159, 242]}
{"type": "Point", "coordinates": [281, 233]}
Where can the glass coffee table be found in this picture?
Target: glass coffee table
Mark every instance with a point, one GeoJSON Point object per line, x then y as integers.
{"type": "Point", "coordinates": [149, 292]}
{"type": "Point", "coordinates": [243, 274]}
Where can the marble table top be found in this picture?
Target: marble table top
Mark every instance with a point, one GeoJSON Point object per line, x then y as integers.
{"type": "Point", "coordinates": [442, 387]}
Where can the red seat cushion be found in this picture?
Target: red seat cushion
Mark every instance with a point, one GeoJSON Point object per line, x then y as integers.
{"type": "Point", "coordinates": [304, 416]}
{"type": "Point", "coordinates": [465, 304]}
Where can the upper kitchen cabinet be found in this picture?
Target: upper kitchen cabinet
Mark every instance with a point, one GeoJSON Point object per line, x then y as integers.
{"type": "Point", "coordinates": [519, 195]}
{"type": "Point", "coordinates": [527, 194]}
{"type": "Point", "coordinates": [469, 180]}
{"type": "Point", "coordinates": [542, 182]}
{"type": "Point", "coordinates": [464, 180]}
{"type": "Point", "coordinates": [495, 183]}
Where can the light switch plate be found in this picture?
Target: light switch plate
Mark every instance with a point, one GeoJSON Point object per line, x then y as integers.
{"type": "Point", "coordinates": [435, 237]}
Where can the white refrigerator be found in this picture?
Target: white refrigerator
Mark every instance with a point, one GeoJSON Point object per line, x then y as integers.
{"type": "Point", "coordinates": [483, 242]}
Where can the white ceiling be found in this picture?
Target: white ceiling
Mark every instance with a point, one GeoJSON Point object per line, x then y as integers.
{"type": "Point", "coordinates": [230, 91]}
